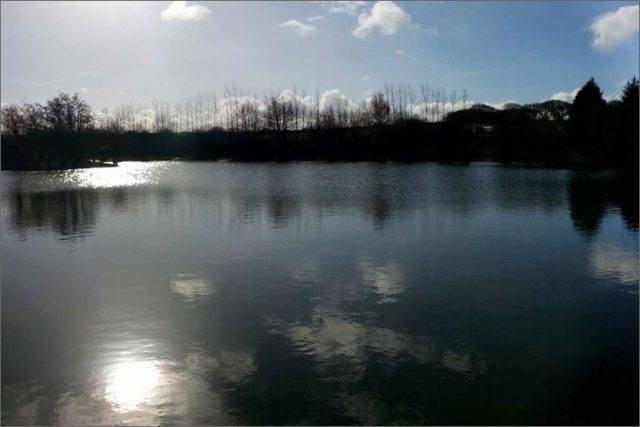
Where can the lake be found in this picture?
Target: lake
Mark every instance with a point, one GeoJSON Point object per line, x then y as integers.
{"type": "Point", "coordinates": [316, 293]}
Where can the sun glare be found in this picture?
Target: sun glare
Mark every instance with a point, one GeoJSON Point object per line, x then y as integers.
{"type": "Point", "coordinates": [131, 384]}
{"type": "Point", "coordinates": [126, 174]}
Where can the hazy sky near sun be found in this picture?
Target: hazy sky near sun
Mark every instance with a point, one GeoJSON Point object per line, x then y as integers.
{"type": "Point", "coordinates": [119, 52]}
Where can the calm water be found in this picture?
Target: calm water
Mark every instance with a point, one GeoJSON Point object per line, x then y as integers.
{"type": "Point", "coordinates": [218, 293]}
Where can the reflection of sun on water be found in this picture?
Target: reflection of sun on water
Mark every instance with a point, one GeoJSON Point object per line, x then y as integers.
{"type": "Point", "coordinates": [126, 174]}
{"type": "Point", "coordinates": [130, 384]}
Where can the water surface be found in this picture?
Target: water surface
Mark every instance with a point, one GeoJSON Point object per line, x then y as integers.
{"type": "Point", "coordinates": [307, 293]}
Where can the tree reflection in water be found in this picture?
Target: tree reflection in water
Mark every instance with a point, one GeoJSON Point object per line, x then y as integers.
{"type": "Point", "coordinates": [590, 195]}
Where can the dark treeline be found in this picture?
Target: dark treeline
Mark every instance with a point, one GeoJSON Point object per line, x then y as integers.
{"type": "Point", "coordinates": [395, 124]}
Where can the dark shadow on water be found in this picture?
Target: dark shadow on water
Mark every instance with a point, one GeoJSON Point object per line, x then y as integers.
{"type": "Point", "coordinates": [70, 213]}
{"type": "Point", "coordinates": [587, 200]}
{"type": "Point", "coordinates": [73, 214]}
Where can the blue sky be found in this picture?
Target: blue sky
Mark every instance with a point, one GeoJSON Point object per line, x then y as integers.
{"type": "Point", "coordinates": [114, 53]}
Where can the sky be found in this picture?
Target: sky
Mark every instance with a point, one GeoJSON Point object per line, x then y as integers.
{"type": "Point", "coordinates": [114, 53]}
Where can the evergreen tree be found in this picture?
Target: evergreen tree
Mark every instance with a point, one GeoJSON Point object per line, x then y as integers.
{"type": "Point", "coordinates": [627, 138]}
{"type": "Point", "coordinates": [630, 97]}
{"type": "Point", "coordinates": [587, 118]}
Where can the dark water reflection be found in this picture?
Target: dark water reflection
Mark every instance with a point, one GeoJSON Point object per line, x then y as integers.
{"type": "Point", "coordinates": [591, 195]}
{"type": "Point", "coordinates": [214, 293]}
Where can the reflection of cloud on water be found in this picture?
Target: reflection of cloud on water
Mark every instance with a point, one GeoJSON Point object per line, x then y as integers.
{"type": "Point", "coordinates": [333, 339]}
{"type": "Point", "coordinates": [387, 280]}
{"type": "Point", "coordinates": [331, 334]}
{"type": "Point", "coordinates": [344, 350]}
{"type": "Point", "coordinates": [22, 403]}
{"type": "Point", "coordinates": [73, 409]}
{"type": "Point", "coordinates": [191, 287]}
{"type": "Point", "coordinates": [608, 260]}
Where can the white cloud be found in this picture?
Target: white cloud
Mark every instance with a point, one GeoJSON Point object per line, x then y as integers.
{"type": "Point", "coordinates": [565, 96]}
{"type": "Point", "coordinates": [500, 105]}
{"type": "Point", "coordinates": [399, 52]}
{"type": "Point", "coordinates": [386, 16]}
{"type": "Point", "coordinates": [335, 99]}
{"type": "Point", "coordinates": [288, 95]}
{"type": "Point", "coordinates": [570, 96]}
{"type": "Point", "coordinates": [230, 105]}
{"type": "Point", "coordinates": [146, 116]}
{"type": "Point", "coordinates": [300, 28]}
{"type": "Point", "coordinates": [387, 280]}
{"type": "Point", "coordinates": [142, 119]}
{"type": "Point", "coordinates": [436, 111]}
{"type": "Point", "coordinates": [179, 11]}
{"type": "Point", "coordinates": [315, 18]}
{"type": "Point", "coordinates": [612, 28]}
{"type": "Point", "coordinates": [344, 7]}
{"type": "Point", "coordinates": [366, 78]}
{"type": "Point", "coordinates": [611, 97]}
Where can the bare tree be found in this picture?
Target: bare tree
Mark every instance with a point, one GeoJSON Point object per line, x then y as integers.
{"type": "Point", "coordinates": [378, 110]}
{"type": "Point", "coordinates": [11, 120]}
{"type": "Point", "coordinates": [67, 113]}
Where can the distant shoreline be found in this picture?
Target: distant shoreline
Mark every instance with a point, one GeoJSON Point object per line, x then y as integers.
{"type": "Point", "coordinates": [590, 133]}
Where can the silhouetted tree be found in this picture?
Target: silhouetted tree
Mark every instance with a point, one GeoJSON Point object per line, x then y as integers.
{"type": "Point", "coordinates": [587, 115]}
{"type": "Point", "coordinates": [61, 133]}
{"type": "Point", "coordinates": [67, 113]}
{"type": "Point", "coordinates": [11, 120]}
{"type": "Point", "coordinates": [626, 135]}
{"type": "Point", "coordinates": [33, 119]}
{"type": "Point", "coordinates": [554, 110]}
{"type": "Point", "coordinates": [511, 106]}
{"type": "Point", "coordinates": [630, 96]}
{"type": "Point", "coordinates": [378, 110]}
{"type": "Point", "coordinates": [482, 107]}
